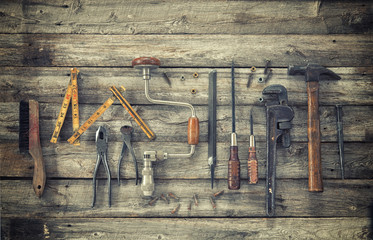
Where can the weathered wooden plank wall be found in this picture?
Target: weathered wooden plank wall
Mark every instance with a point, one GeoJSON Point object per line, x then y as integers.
{"type": "Point", "coordinates": [41, 40]}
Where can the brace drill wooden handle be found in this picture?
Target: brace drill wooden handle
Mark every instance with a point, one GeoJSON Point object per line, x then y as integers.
{"type": "Point", "coordinates": [193, 131]}
{"type": "Point", "coordinates": [314, 139]}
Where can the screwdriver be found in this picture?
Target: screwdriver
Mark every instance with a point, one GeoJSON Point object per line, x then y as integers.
{"type": "Point", "coordinates": [252, 163]}
{"type": "Point", "coordinates": [234, 162]}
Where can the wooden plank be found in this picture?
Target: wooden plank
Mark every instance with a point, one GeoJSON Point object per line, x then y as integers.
{"type": "Point", "coordinates": [65, 161]}
{"type": "Point", "coordinates": [185, 50]}
{"type": "Point", "coordinates": [180, 17]}
{"type": "Point", "coordinates": [72, 198]}
{"type": "Point", "coordinates": [49, 85]}
{"type": "Point", "coordinates": [194, 228]}
{"type": "Point", "coordinates": [169, 123]}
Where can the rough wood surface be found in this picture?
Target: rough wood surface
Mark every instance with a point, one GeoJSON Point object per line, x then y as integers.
{"type": "Point", "coordinates": [192, 228]}
{"type": "Point", "coordinates": [170, 123]}
{"type": "Point", "coordinates": [185, 50]}
{"type": "Point", "coordinates": [65, 161]}
{"type": "Point", "coordinates": [178, 17]}
{"type": "Point", "coordinates": [49, 85]}
{"type": "Point", "coordinates": [72, 198]}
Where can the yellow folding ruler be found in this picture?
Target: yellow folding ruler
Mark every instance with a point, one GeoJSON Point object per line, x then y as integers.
{"type": "Point", "coordinates": [71, 94]}
{"type": "Point", "coordinates": [133, 113]}
{"type": "Point", "coordinates": [93, 118]}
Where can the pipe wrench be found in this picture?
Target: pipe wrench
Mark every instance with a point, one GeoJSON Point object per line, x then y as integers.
{"type": "Point", "coordinates": [278, 116]}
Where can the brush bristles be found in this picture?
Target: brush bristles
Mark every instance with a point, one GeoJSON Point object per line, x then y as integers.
{"type": "Point", "coordinates": [24, 117]}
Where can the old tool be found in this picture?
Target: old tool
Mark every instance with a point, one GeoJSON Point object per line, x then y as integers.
{"type": "Point", "coordinates": [218, 193]}
{"type": "Point", "coordinates": [278, 116]}
{"type": "Point", "coordinates": [267, 73]}
{"type": "Point", "coordinates": [252, 163]}
{"type": "Point", "coordinates": [29, 142]}
{"type": "Point", "coordinates": [340, 139]}
{"type": "Point", "coordinates": [165, 76]}
{"type": "Point", "coordinates": [102, 146]}
{"type": "Point", "coordinates": [127, 135]}
{"type": "Point", "coordinates": [212, 125]}
{"type": "Point", "coordinates": [213, 204]}
{"type": "Point", "coordinates": [176, 209]}
{"type": "Point", "coordinates": [133, 113]}
{"type": "Point", "coordinates": [145, 64]}
{"type": "Point", "coordinates": [93, 118]}
{"type": "Point", "coordinates": [234, 162]}
{"type": "Point", "coordinates": [313, 74]}
{"type": "Point", "coordinates": [71, 94]}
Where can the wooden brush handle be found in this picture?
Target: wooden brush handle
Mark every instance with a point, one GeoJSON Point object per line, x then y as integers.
{"type": "Point", "coordinates": [314, 139]}
{"type": "Point", "coordinates": [233, 169]}
{"type": "Point", "coordinates": [193, 131]}
{"type": "Point", "coordinates": [35, 149]}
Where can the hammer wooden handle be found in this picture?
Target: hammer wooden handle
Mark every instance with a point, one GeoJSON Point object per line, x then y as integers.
{"type": "Point", "coordinates": [39, 178]}
{"type": "Point", "coordinates": [193, 131]}
{"type": "Point", "coordinates": [314, 139]}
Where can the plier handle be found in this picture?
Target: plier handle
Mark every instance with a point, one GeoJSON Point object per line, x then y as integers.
{"type": "Point", "coordinates": [102, 146]}
{"type": "Point", "coordinates": [127, 134]}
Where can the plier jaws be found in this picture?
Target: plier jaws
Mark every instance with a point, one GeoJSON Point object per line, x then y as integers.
{"type": "Point", "coordinates": [102, 146]}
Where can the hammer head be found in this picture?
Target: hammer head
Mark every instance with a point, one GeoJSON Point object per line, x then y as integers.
{"type": "Point", "coordinates": [313, 72]}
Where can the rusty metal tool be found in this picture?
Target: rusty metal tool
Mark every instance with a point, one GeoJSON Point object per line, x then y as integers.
{"type": "Point", "coordinates": [212, 125]}
{"type": "Point", "coordinates": [102, 146]}
{"type": "Point", "coordinates": [29, 142]}
{"type": "Point", "coordinates": [267, 73]}
{"type": "Point", "coordinates": [340, 139]}
{"type": "Point", "coordinates": [145, 64]}
{"type": "Point", "coordinates": [127, 135]}
{"type": "Point", "coordinates": [234, 162]}
{"type": "Point", "coordinates": [252, 163]}
{"type": "Point", "coordinates": [278, 117]}
{"type": "Point", "coordinates": [313, 74]}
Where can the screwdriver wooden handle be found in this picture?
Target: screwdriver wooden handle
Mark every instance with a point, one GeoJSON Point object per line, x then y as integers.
{"type": "Point", "coordinates": [315, 183]}
{"type": "Point", "coordinates": [193, 131]}
{"type": "Point", "coordinates": [252, 167]}
{"type": "Point", "coordinates": [233, 169]}
{"type": "Point", "coordinates": [39, 177]}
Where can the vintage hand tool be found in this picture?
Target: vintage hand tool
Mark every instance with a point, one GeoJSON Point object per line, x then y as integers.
{"type": "Point", "coordinates": [29, 142]}
{"type": "Point", "coordinates": [212, 125]}
{"type": "Point", "coordinates": [133, 113]}
{"type": "Point", "coordinates": [252, 163]}
{"type": "Point", "coordinates": [145, 64]}
{"type": "Point", "coordinates": [267, 73]}
{"type": "Point", "coordinates": [313, 74]}
{"type": "Point", "coordinates": [278, 115]}
{"type": "Point", "coordinates": [102, 146]}
{"type": "Point", "coordinates": [93, 118]}
{"type": "Point", "coordinates": [340, 139]}
{"type": "Point", "coordinates": [127, 134]}
{"type": "Point", "coordinates": [71, 93]}
{"type": "Point", "coordinates": [234, 162]}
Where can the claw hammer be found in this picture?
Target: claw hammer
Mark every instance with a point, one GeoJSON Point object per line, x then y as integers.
{"type": "Point", "coordinates": [313, 74]}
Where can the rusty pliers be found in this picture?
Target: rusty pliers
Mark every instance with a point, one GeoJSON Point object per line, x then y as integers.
{"type": "Point", "coordinates": [127, 134]}
{"type": "Point", "coordinates": [102, 146]}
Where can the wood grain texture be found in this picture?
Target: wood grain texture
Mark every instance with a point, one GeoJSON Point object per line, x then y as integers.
{"type": "Point", "coordinates": [49, 85]}
{"type": "Point", "coordinates": [64, 161]}
{"type": "Point", "coordinates": [192, 228]}
{"type": "Point", "coordinates": [180, 17]}
{"type": "Point", "coordinates": [169, 123]}
{"type": "Point", "coordinates": [72, 198]}
{"type": "Point", "coordinates": [186, 50]}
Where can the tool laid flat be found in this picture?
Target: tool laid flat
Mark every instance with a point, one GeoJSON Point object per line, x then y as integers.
{"type": "Point", "coordinates": [212, 125]}
{"type": "Point", "coordinates": [102, 146]}
{"type": "Point", "coordinates": [340, 139]}
{"type": "Point", "coordinates": [127, 134]}
{"type": "Point", "coordinates": [234, 162]}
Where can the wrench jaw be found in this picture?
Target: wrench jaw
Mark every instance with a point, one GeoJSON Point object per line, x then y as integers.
{"type": "Point", "coordinates": [279, 116]}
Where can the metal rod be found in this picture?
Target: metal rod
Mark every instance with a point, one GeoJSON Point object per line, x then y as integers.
{"type": "Point", "coordinates": [340, 139]}
{"type": "Point", "coordinates": [233, 100]}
